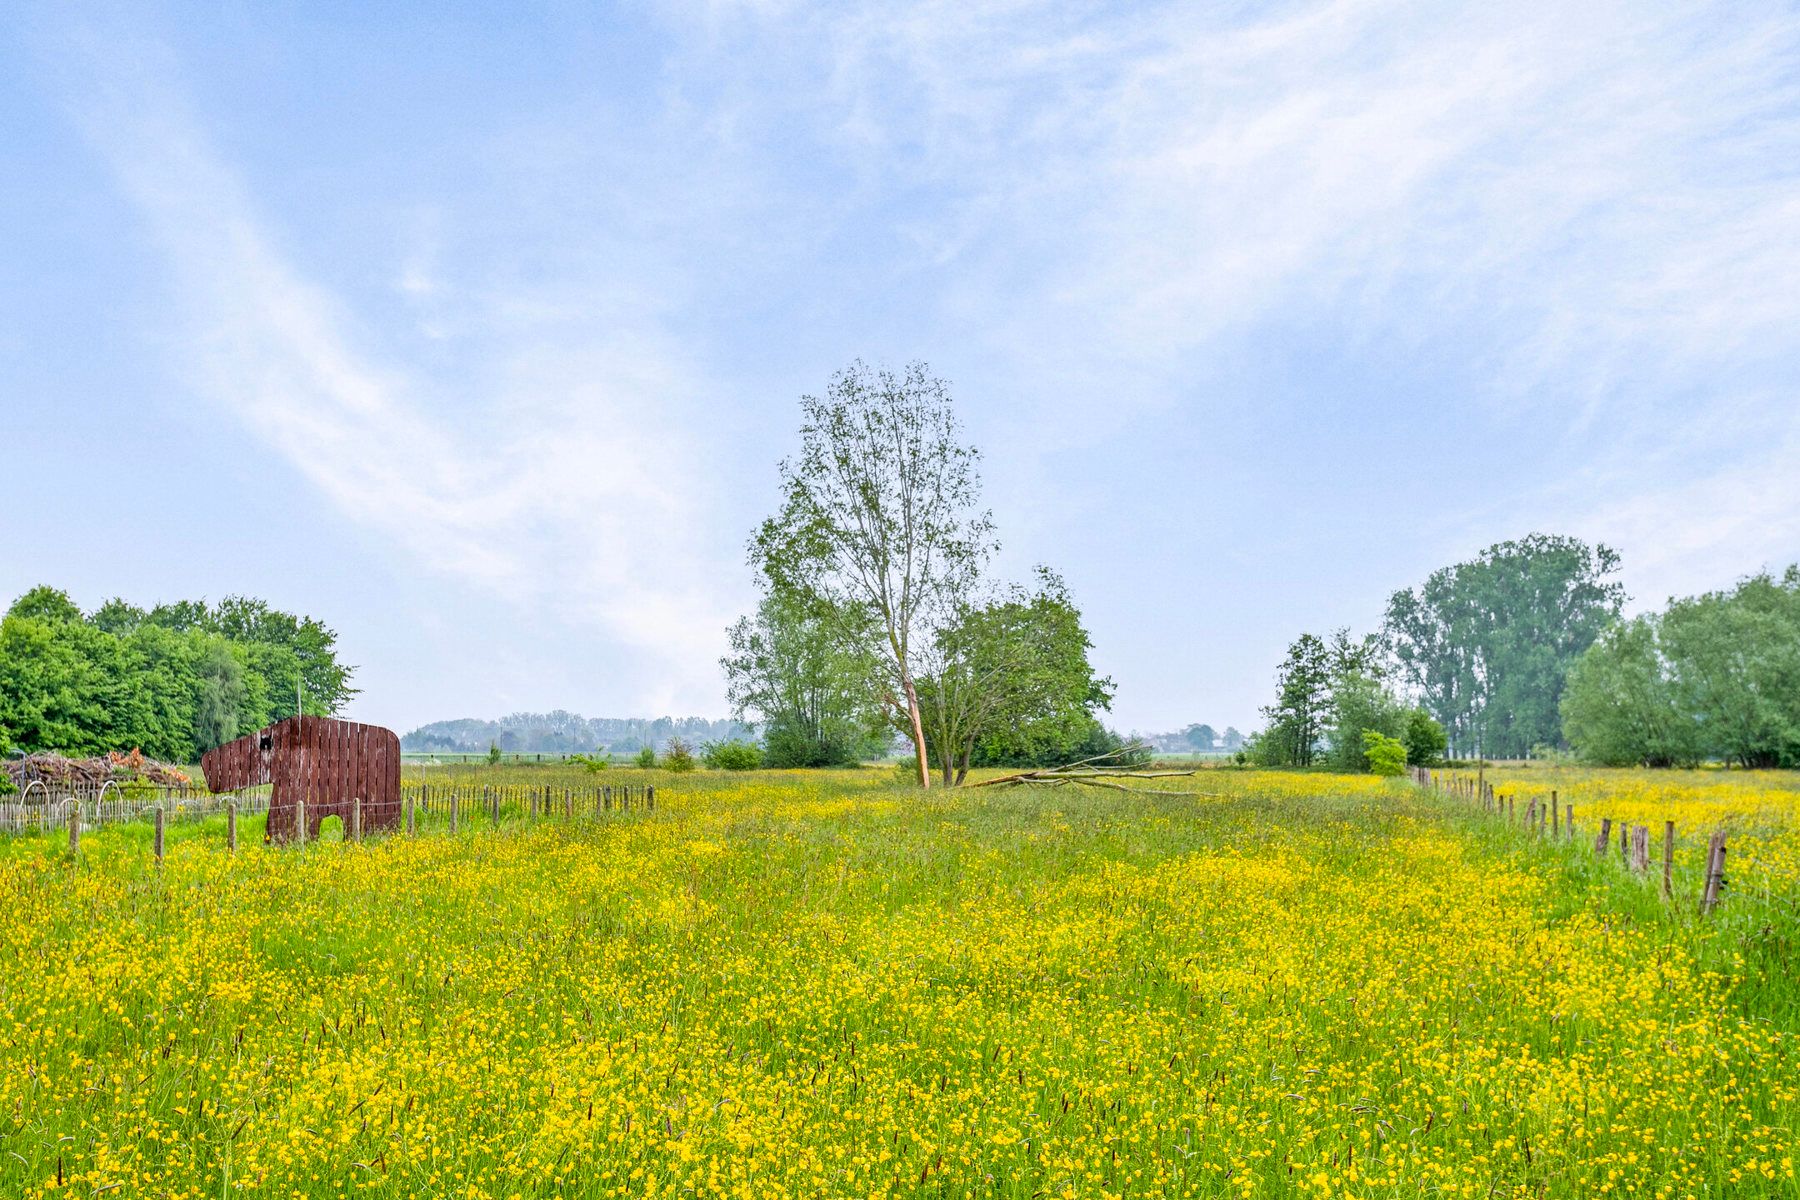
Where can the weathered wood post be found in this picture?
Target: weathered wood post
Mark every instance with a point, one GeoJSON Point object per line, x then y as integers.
{"type": "Point", "coordinates": [74, 826]}
{"type": "Point", "coordinates": [1624, 855]}
{"type": "Point", "coordinates": [412, 826]}
{"type": "Point", "coordinates": [568, 805]}
{"type": "Point", "coordinates": [606, 797]}
{"type": "Point", "coordinates": [1604, 842]}
{"type": "Point", "coordinates": [1668, 859]}
{"type": "Point", "coordinates": [455, 806]}
{"type": "Point", "coordinates": [491, 801]}
{"type": "Point", "coordinates": [158, 839]}
{"type": "Point", "coordinates": [1715, 872]}
{"type": "Point", "coordinates": [300, 822]}
{"type": "Point", "coordinates": [533, 792]}
{"type": "Point", "coordinates": [1640, 849]}
{"type": "Point", "coordinates": [1569, 821]}
{"type": "Point", "coordinates": [231, 825]}
{"type": "Point", "coordinates": [650, 796]}
{"type": "Point", "coordinates": [356, 818]}
{"type": "Point", "coordinates": [1555, 825]}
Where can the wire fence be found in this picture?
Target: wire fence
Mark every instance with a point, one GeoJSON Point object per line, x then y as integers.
{"type": "Point", "coordinates": [44, 806]}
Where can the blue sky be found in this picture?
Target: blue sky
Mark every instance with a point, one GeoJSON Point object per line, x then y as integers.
{"type": "Point", "coordinates": [479, 335]}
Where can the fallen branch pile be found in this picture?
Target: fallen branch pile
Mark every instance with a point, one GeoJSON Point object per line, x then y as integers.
{"type": "Point", "coordinates": [1099, 771]}
{"type": "Point", "coordinates": [91, 772]}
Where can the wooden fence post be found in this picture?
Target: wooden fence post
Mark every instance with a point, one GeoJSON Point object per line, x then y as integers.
{"type": "Point", "coordinates": [650, 796]}
{"type": "Point", "coordinates": [568, 805]}
{"type": "Point", "coordinates": [1715, 871]}
{"type": "Point", "coordinates": [455, 805]}
{"type": "Point", "coordinates": [534, 803]}
{"type": "Point", "coordinates": [1640, 849]}
{"type": "Point", "coordinates": [300, 822]}
{"type": "Point", "coordinates": [1604, 842]}
{"type": "Point", "coordinates": [158, 845]}
{"type": "Point", "coordinates": [356, 818]}
{"type": "Point", "coordinates": [606, 797]}
{"type": "Point", "coordinates": [1668, 859]}
{"type": "Point", "coordinates": [74, 826]}
{"type": "Point", "coordinates": [1624, 855]}
{"type": "Point", "coordinates": [1569, 821]}
{"type": "Point", "coordinates": [231, 825]}
{"type": "Point", "coordinates": [411, 821]}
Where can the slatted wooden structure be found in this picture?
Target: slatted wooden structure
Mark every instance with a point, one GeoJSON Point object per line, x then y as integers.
{"type": "Point", "coordinates": [324, 761]}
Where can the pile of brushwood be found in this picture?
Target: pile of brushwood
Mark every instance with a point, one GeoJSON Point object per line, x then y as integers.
{"type": "Point", "coordinates": [1102, 771]}
{"type": "Point", "coordinates": [92, 772]}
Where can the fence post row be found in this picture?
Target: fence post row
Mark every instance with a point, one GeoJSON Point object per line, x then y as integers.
{"type": "Point", "coordinates": [1557, 819]}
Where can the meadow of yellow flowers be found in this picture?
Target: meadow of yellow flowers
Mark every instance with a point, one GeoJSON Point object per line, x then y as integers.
{"type": "Point", "coordinates": [823, 985]}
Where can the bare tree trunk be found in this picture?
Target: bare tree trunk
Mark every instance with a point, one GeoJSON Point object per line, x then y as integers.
{"type": "Point", "coordinates": [918, 727]}
{"type": "Point", "coordinates": [962, 766]}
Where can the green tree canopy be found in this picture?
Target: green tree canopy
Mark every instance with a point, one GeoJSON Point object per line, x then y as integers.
{"type": "Point", "coordinates": [879, 518]}
{"type": "Point", "coordinates": [1488, 643]}
{"type": "Point", "coordinates": [1716, 675]}
{"type": "Point", "coordinates": [806, 679]}
{"type": "Point", "coordinates": [172, 681]}
{"type": "Point", "coordinates": [1010, 681]}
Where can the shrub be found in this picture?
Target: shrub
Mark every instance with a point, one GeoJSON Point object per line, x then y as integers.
{"type": "Point", "coordinates": [1425, 739]}
{"type": "Point", "coordinates": [1386, 755]}
{"type": "Point", "coordinates": [731, 756]}
{"type": "Point", "coordinates": [595, 763]}
{"type": "Point", "coordinates": [678, 757]}
{"type": "Point", "coordinates": [493, 754]}
{"type": "Point", "coordinates": [647, 757]}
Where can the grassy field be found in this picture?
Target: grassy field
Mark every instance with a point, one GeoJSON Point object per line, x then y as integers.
{"type": "Point", "coordinates": [821, 984]}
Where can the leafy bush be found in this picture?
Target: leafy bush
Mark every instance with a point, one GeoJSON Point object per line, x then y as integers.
{"type": "Point", "coordinates": [1386, 755]}
{"type": "Point", "coordinates": [647, 757]}
{"type": "Point", "coordinates": [678, 757]}
{"type": "Point", "coordinates": [493, 754]}
{"type": "Point", "coordinates": [731, 756]}
{"type": "Point", "coordinates": [1425, 739]}
{"type": "Point", "coordinates": [595, 763]}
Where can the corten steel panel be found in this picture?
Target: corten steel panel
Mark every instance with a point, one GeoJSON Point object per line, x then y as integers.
{"type": "Point", "coordinates": [327, 762]}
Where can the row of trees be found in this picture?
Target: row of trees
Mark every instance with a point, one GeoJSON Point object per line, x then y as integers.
{"type": "Point", "coordinates": [1335, 705]}
{"type": "Point", "coordinates": [173, 680]}
{"type": "Point", "coordinates": [878, 615]}
{"type": "Point", "coordinates": [1715, 676]}
{"type": "Point", "coordinates": [1486, 645]}
{"type": "Point", "coordinates": [564, 732]}
{"type": "Point", "coordinates": [1474, 660]}
{"type": "Point", "coordinates": [1523, 648]}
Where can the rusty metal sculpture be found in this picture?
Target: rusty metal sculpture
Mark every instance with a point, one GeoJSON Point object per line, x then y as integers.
{"type": "Point", "coordinates": [326, 762]}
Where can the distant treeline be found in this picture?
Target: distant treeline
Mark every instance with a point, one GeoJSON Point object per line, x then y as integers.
{"type": "Point", "coordinates": [563, 732]}
{"type": "Point", "coordinates": [1195, 739]}
{"type": "Point", "coordinates": [173, 681]}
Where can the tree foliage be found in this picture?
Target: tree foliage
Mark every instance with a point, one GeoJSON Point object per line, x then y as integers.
{"type": "Point", "coordinates": [172, 681]}
{"type": "Point", "coordinates": [805, 678]}
{"type": "Point", "coordinates": [1489, 643]}
{"type": "Point", "coordinates": [1296, 721]}
{"type": "Point", "coordinates": [1009, 680]}
{"type": "Point", "coordinates": [1713, 676]}
{"type": "Point", "coordinates": [879, 519]}
{"type": "Point", "coordinates": [1385, 755]}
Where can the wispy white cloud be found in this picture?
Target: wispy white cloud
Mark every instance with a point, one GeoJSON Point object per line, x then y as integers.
{"type": "Point", "coordinates": [564, 477]}
{"type": "Point", "coordinates": [1594, 207]}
